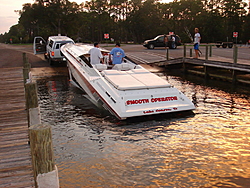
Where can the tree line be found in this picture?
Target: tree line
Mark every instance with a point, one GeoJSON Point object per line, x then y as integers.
{"type": "Point", "coordinates": [131, 20]}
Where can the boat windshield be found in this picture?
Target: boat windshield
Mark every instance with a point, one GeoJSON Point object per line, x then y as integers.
{"type": "Point", "coordinates": [86, 61]}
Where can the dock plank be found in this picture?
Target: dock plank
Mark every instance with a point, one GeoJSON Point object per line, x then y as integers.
{"type": "Point", "coordinates": [15, 158]}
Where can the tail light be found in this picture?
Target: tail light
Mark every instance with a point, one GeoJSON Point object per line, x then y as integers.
{"type": "Point", "coordinates": [52, 53]}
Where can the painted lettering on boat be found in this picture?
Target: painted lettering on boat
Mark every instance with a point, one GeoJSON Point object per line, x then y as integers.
{"type": "Point", "coordinates": [159, 110]}
{"type": "Point", "coordinates": [163, 110]}
{"type": "Point", "coordinates": [148, 111]}
{"type": "Point", "coordinates": [152, 100]}
{"type": "Point", "coordinates": [161, 99]}
{"type": "Point", "coordinates": [139, 101]}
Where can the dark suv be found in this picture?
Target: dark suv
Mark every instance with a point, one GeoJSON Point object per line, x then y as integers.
{"type": "Point", "coordinates": [159, 42]}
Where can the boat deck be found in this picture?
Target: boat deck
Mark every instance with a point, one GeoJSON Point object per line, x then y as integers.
{"type": "Point", "coordinates": [134, 79]}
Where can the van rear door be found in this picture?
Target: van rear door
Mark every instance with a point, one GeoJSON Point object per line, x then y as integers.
{"type": "Point", "coordinates": [39, 45]}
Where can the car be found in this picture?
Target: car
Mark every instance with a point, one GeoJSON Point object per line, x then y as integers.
{"type": "Point", "coordinates": [51, 48]}
{"type": "Point", "coordinates": [159, 42]}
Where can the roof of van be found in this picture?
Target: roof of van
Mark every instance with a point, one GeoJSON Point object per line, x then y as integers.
{"type": "Point", "coordinates": [60, 38]}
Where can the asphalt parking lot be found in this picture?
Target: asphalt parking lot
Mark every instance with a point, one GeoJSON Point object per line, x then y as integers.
{"type": "Point", "coordinates": [11, 55]}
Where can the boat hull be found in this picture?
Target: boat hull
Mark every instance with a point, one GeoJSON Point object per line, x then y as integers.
{"type": "Point", "coordinates": [128, 93]}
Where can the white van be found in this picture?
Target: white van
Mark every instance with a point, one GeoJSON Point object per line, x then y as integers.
{"type": "Point", "coordinates": [51, 48]}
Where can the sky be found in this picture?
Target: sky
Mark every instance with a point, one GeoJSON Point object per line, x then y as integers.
{"type": "Point", "coordinates": [8, 16]}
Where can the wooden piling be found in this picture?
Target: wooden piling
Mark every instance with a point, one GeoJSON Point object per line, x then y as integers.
{"type": "Point", "coordinates": [206, 55]}
{"type": "Point", "coordinates": [33, 110]}
{"type": "Point", "coordinates": [167, 54]}
{"type": "Point", "coordinates": [26, 63]}
{"type": "Point", "coordinates": [184, 67]}
{"type": "Point", "coordinates": [25, 59]}
{"type": "Point", "coordinates": [206, 75]}
{"type": "Point", "coordinates": [234, 76]}
{"type": "Point", "coordinates": [184, 51]}
{"type": "Point", "coordinates": [41, 150]}
{"type": "Point", "coordinates": [191, 52]}
{"type": "Point", "coordinates": [26, 68]}
{"type": "Point", "coordinates": [25, 75]}
{"type": "Point", "coordinates": [31, 95]}
{"type": "Point", "coordinates": [40, 137]}
{"type": "Point", "coordinates": [184, 55]}
{"type": "Point", "coordinates": [235, 54]}
{"type": "Point", "coordinates": [210, 50]}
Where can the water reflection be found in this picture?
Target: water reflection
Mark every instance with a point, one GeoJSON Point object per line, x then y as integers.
{"type": "Point", "coordinates": [209, 148]}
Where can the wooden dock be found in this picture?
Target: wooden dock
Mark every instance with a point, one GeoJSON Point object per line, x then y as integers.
{"type": "Point", "coordinates": [15, 158]}
{"type": "Point", "coordinates": [217, 69]}
{"type": "Point", "coordinates": [244, 67]}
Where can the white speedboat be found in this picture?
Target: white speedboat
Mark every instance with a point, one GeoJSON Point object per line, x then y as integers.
{"type": "Point", "coordinates": [127, 89]}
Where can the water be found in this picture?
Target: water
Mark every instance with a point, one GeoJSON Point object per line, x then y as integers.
{"type": "Point", "coordinates": [209, 148]}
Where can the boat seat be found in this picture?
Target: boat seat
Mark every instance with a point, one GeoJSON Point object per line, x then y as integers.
{"type": "Point", "coordinates": [113, 72]}
{"type": "Point", "coordinates": [101, 67]}
{"type": "Point", "coordinates": [122, 66]}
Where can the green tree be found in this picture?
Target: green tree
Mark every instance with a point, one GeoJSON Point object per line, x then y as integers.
{"type": "Point", "coordinates": [136, 20]}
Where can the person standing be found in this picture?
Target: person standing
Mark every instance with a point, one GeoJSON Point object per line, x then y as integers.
{"type": "Point", "coordinates": [197, 39]}
{"type": "Point", "coordinates": [117, 54]}
{"type": "Point", "coordinates": [95, 54]}
{"type": "Point", "coordinates": [173, 42]}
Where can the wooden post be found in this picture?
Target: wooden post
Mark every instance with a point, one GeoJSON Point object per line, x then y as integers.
{"type": "Point", "coordinates": [235, 54]}
{"type": "Point", "coordinates": [26, 63]}
{"type": "Point", "coordinates": [31, 95]}
{"type": "Point", "coordinates": [206, 53]}
{"type": "Point", "coordinates": [25, 59]}
{"type": "Point", "coordinates": [26, 68]}
{"type": "Point", "coordinates": [41, 150]}
{"type": "Point", "coordinates": [210, 50]}
{"type": "Point", "coordinates": [191, 52]}
{"type": "Point", "coordinates": [33, 110]}
{"type": "Point", "coordinates": [167, 54]}
{"type": "Point", "coordinates": [184, 67]}
{"type": "Point", "coordinates": [234, 77]}
{"type": "Point", "coordinates": [206, 75]}
{"type": "Point", "coordinates": [26, 72]}
{"type": "Point", "coordinates": [184, 53]}
{"type": "Point", "coordinates": [34, 116]}
{"type": "Point", "coordinates": [184, 59]}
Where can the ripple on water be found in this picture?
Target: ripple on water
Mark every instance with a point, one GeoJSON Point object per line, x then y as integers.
{"type": "Point", "coordinates": [209, 148]}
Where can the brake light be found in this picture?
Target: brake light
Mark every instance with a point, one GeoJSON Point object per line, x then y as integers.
{"type": "Point", "coordinates": [52, 53]}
